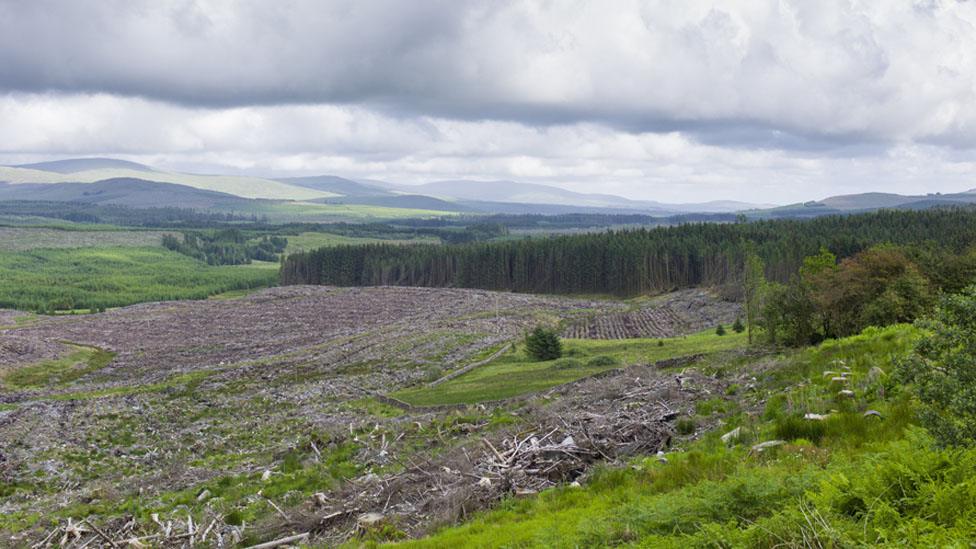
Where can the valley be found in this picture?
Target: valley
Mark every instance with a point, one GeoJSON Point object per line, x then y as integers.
{"type": "Point", "coordinates": [174, 376]}
{"type": "Point", "coordinates": [359, 274]}
{"type": "Point", "coordinates": [184, 398]}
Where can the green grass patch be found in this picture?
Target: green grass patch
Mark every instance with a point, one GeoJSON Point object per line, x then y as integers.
{"type": "Point", "coordinates": [90, 278]}
{"type": "Point", "coordinates": [514, 373]}
{"type": "Point", "coordinates": [312, 241]}
{"type": "Point", "coordinates": [279, 212]}
{"type": "Point", "coordinates": [849, 480]}
{"type": "Point", "coordinates": [373, 407]}
{"type": "Point", "coordinates": [59, 372]}
{"type": "Point", "coordinates": [904, 492]}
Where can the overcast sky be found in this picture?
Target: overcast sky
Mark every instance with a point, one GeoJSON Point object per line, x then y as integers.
{"type": "Point", "coordinates": [763, 101]}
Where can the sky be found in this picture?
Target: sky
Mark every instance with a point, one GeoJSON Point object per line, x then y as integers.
{"type": "Point", "coordinates": [773, 101]}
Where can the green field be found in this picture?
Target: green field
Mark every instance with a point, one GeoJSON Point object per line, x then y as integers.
{"type": "Point", "coordinates": [21, 239]}
{"type": "Point", "coordinates": [52, 223]}
{"type": "Point", "coordinates": [515, 374]}
{"type": "Point", "coordinates": [851, 480]}
{"type": "Point", "coordinates": [283, 212]}
{"type": "Point", "coordinates": [312, 241]}
{"type": "Point", "coordinates": [86, 278]}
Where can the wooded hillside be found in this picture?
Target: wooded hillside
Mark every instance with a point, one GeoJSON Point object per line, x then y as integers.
{"type": "Point", "coordinates": [631, 262]}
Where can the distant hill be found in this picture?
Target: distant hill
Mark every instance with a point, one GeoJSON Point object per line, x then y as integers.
{"type": "Point", "coordinates": [452, 196]}
{"type": "Point", "coordinates": [130, 183]}
{"type": "Point", "coordinates": [865, 202]}
{"type": "Point", "coordinates": [246, 187]}
{"type": "Point", "coordinates": [337, 185]}
{"type": "Point", "coordinates": [409, 201]}
{"type": "Point", "coordinates": [73, 165]}
{"type": "Point", "coordinates": [518, 208]}
{"type": "Point", "coordinates": [513, 192]}
{"type": "Point", "coordinates": [136, 193]}
{"type": "Point", "coordinates": [525, 193]}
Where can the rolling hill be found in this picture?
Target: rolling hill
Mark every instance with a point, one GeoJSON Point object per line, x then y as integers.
{"type": "Point", "coordinates": [446, 196]}
{"type": "Point", "coordinates": [336, 185]}
{"type": "Point", "coordinates": [865, 202]}
{"type": "Point", "coordinates": [410, 201]}
{"type": "Point", "coordinates": [135, 193]}
{"type": "Point", "coordinates": [73, 165]}
{"type": "Point", "coordinates": [133, 184]}
{"type": "Point", "coordinates": [242, 186]}
{"type": "Point", "coordinates": [527, 194]}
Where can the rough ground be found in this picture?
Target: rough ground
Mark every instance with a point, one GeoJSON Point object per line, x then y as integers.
{"type": "Point", "coordinates": [239, 396]}
{"type": "Point", "coordinates": [674, 314]}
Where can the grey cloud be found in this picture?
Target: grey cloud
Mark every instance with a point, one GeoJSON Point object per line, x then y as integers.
{"type": "Point", "coordinates": [813, 76]}
{"type": "Point", "coordinates": [803, 75]}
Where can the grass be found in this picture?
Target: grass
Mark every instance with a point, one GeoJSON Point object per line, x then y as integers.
{"type": "Point", "coordinates": [59, 372]}
{"type": "Point", "coordinates": [315, 212]}
{"type": "Point", "coordinates": [86, 278]}
{"type": "Point", "coordinates": [312, 241]}
{"type": "Point", "coordinates": [19, 239]}
{"type": "Point", "coordinates": [861, 481]}
{"type": "Point", "coordinates": [515, 374]}
{"type": "Point", "coordinates": [233, 294]}
{"type": "Point", "coordinates": [39, 222]}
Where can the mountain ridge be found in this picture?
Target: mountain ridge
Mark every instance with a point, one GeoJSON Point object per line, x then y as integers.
{"type": "Point", "coordinates": [457, 195]}
{"type": "Point", "coordinates": [136, 193]}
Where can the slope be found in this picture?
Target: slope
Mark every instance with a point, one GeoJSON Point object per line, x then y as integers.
{"type": "Point", "coordinates": [136, 193]}
{"type": "Point", "coordinates": [246, 187]}
{"type": "Point", "coordinates": [72, 165]}
{"type": "Point", "coordinates": [337, 185]}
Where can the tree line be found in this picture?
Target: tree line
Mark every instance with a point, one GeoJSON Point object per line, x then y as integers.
{"type": "Point", "coordinates": [882, 285]}
{"type": "Point", "coordinates": [226, 246]}
{"type": "Point", "coordinates": [636, 261]}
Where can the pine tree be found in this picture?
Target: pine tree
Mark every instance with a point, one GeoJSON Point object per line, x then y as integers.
{"type": "Point", "coordinates": [543, 344]}
{"type": "Point", "coordinates": [720, 331]}
{"type": "Point", "coordinates": [737, 326]}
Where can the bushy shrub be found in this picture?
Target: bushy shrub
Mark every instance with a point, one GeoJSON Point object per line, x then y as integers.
{"type": "Point", "coordinates": [567, 364]}
{"type": "Point", "coordinates": [602, 361]}
{"type": "Point", "coordinates": [543, 344]}
{"type": "Point", "coordinates": [720, 330]}
{"type": "Point", "coordinates": [942, 370]}
{"type": "Point", "coordinates": [685, 425]}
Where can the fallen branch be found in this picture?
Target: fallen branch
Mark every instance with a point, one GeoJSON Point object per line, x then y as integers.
{"type": "Point", "coordinates": [280, 542]}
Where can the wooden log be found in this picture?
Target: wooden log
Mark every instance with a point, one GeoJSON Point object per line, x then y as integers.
{"type": "Point", "coordinates": [280, 542]}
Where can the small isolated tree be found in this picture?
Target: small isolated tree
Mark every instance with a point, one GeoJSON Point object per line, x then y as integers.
{"type": "Point", "coordinates": [720, 331]}
{"type": "Point", "coordinates": [942, 370]}
{"type": "Point", "coordinates": [754, 286]}
{"type": "Point", "coordinates": [737, 326]}
{"type": "Point", "coordinates": [543, 344]}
